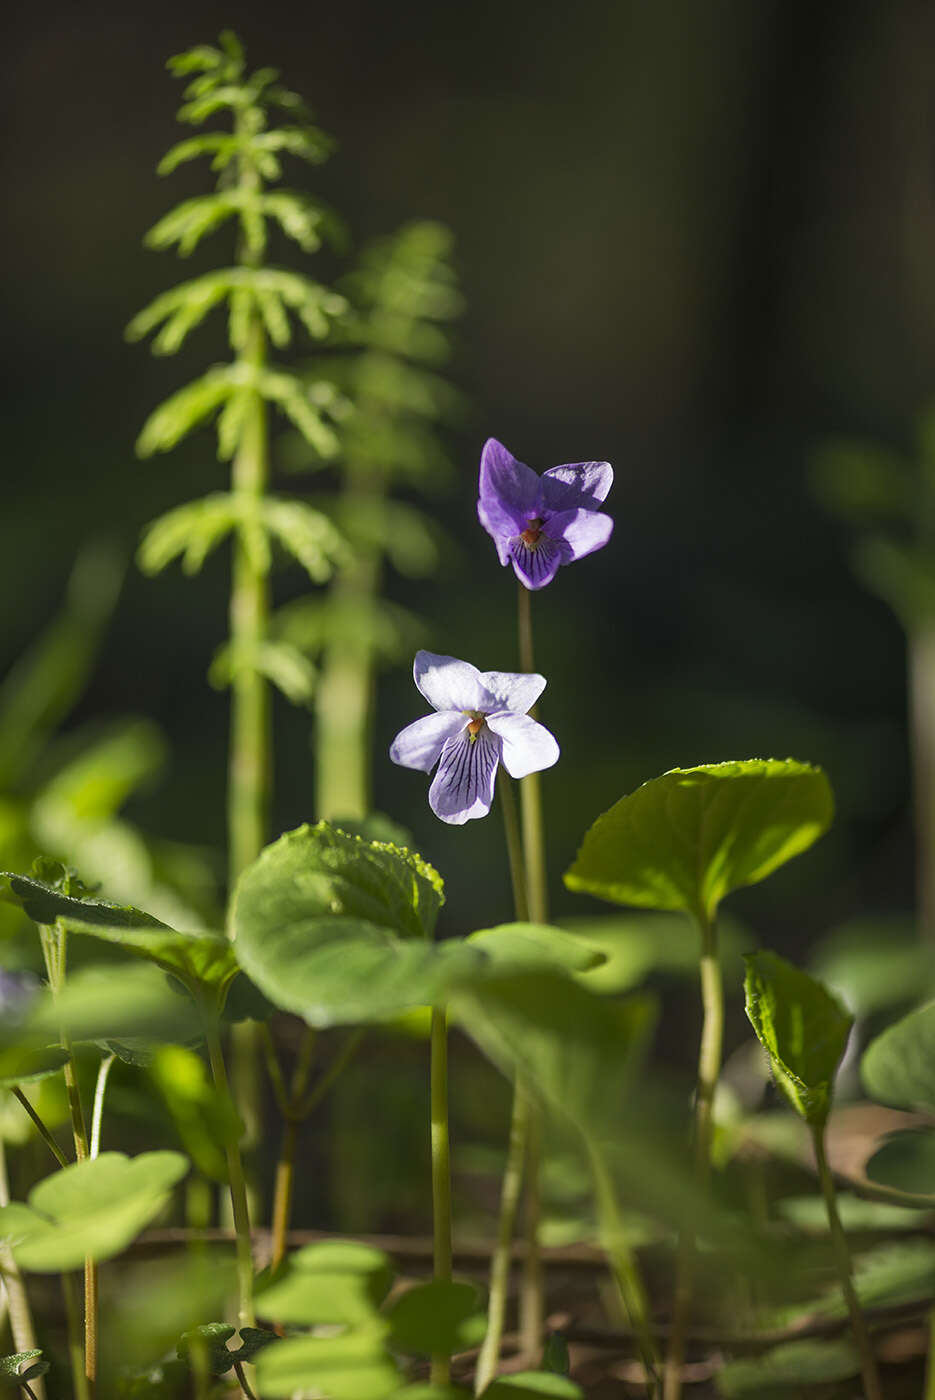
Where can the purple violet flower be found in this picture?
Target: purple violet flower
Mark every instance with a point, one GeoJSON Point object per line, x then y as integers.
{"type": "Point", "coordinates": [17, 992]}
{"type": "Point", "coordinates": [541, 522]}
{"type": "Point", "coordinates": [480, 720]}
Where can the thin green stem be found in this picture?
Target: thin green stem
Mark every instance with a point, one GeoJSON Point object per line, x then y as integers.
{"type": "Point", "coordinates": [20, 1313]}
{"type": "Point", "coordinates": [514, 845]}
{"type": "Point", "coordinates": [441, 1172]}
{"type": "Point", "coordinates": [97, 1112]}
{"type": "Point", "coordinates": [489, 1358]}
{"type": "Point", "coordinates": [79, 1378]}
{"type": "Point", "coordinates": [54, 944]}
{"type": "Point", "coordinates": [842, 1255]}
{"type": "Point", "coordinates": [285, 1167]}
{"type": "Point", "coordinates": [242, 1379]}
{"type": "Point", "coordinates": [625, 1270]}
{"type": "Point", "coordinates": [532, 1295]}
{"type": "Point", "coordinates": [41, 1128]}
{"type": "Point", "coordinates": [238, 1185]}
{"type": "Point", "coordinates": [930, 1364]}
{"type": "Point", "coordinates": [709, 1067]}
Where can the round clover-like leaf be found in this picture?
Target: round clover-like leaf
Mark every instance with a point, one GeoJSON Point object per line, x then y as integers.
{"type": "Point", "coordinates": [438, 1317]}
{"type": "Point", "coordinates": [334, 1282]}
{"type": "Point", "coordinates": [686, 839]}
{"type": "Point", "coordinates": [91, 1209]}
{"type": "Point", "coordinates": [352, 1366]}
{"type": "Point", "coordinates": [899, 1066]}
{"type": "Point", "coordinates": [792, 1364]}
{"type": "Point", "coordinates": [803, 1028]}
{"type": "Point", "coordinates": [336, 929]}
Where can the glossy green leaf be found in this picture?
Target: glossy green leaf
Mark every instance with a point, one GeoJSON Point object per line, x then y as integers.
{"type": "Point", "coordinates": [906, 1162]}
{"type": "Point", "coordinates": [791, 1365]}
{"type": "Point", "coordinates": [91, 1209]}
{"type": "Point", "coordinates": [637, 944]}
{"type": "Point", "coordinates": [210, 1340]}
{"type": "Point", "coordinates": [23, 1366]}
{"type": "Point", "coordinates": [803, 1028]}
{"type": "Point", "coordinates": [438, 1318]}
{"type": "Point", "coordinates": [899, 1066]}
{"type": "Point", "coordinates": [686, 839]}
{"type": "Point", "coordinates": [336, 1282]}
{"type": "Point", "coordinates": [536, 946]}
{"type": "Point", "coordinates": [335, 928]}
{"type": "Point", "coordinates": [194, 957]}
{"type": "Point", "coordinates": [115, 1002]}
{"type": "Point", "coordinates": [352, 1366]}
{"type": "Point", "coordinates": [530, 1385]}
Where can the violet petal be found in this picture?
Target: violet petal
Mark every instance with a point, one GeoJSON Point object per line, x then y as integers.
{"type": "Point", "coordinates": [582, 531]}
{"type": "Point", "coordinates": [463, 786]}
{"type": "Point", "coordinates": [513, 690]}
{"type": "Point", "coordinates": [583, 484]}
{"type": "Point", "coordinates": [537, 566]}
{"type": "Point", "coordinates": [527, 745]}
{"type": "Point", "coordinates": [449, 684]}
{"type": "Point", "coordinates": [419, 745]}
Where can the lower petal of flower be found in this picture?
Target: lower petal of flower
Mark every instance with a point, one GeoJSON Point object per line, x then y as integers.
{"type": "Point", "coordinates": [463, 786]}
{"type": "Point", "coordinates": [535, 565]}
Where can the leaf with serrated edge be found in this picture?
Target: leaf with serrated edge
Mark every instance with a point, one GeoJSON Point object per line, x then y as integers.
{"type": "Point", "coordinates": [803, 1028]}
{"type": "Point", "coordinates": [686, 839]}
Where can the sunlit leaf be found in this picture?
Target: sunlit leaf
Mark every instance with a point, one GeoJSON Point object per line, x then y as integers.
{"type": "Point", "coordinates": [685, 840]}
{"type": "Point", "coordinates": [352, 1366]}
{"type": "Point", "coordinates": [331, 1282]}
{"type": "Point", "coordinates": [23, 1366]}
{"type": "Point", "coordinates": [92, 1209]}
{"type": "Point", "coordinates": [335, 928]}
{"type": "Point", "coordinates": [802, 1027]}
{"type": "Point", "coordinates": [25, 1066]}
{"type": "Point", "coordinates": [531, 945]}
{"type": "Point", "coordinates": [530, 1385]}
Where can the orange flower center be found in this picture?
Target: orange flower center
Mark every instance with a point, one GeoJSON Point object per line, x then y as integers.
{"type": "Point", "coordinates": [530, 536]}
{"type": "Point", "coordinates": [475, 726]}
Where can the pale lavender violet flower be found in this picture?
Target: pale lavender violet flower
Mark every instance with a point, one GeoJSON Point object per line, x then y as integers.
{"type": "Point", "coordinates": [541, 522]}
{"type": "Point", "coordinates": [480, 721]}
{"type": "Point", "coordinates": [17, 992]}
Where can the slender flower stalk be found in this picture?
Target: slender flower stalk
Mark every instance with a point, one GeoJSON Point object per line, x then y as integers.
{"type": "Point", "coordinates": [441, 1172]}
{"type": "Point", "coordinates": [97, 1112]}
{"type": "Point", "coordinates": [709, 1067]}
{"type": "Point", "coordinates": [53, 942]}
{"type": "Point", "coordinates": [842, 1255]}
{"type": "Point", "coordinates": [238, 1184]}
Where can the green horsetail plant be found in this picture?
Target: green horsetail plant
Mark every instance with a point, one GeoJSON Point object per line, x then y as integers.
{"type": "Point", "coordinates": [394, 342]}
{"type": "Point", "coordinates": [266, 122]}
{"type": "Point", "coordinates": [888, 499]}
{"type": "Point", "coordinates": [241, 394]}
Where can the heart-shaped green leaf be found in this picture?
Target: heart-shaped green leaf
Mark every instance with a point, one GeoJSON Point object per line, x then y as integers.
{"type": "Point", "coordinates": [330, 1282]}
{"type": "Point", "coordinates": [202, 958]}
{"type": "Point", "coordinates": [792, 1365]}
{"type": "Point", "coordinates": [803, 1028]}
{"type": "Point", "coordinates": [906, 1162]}
{"type": "Point", "coordinates": [352, 1366]}
{"type": "Point", "coordinates": [438, 1318]}
{"type": "Point", "coordinates": [91, 1209]}
{"type": "Point", "coordinates": [209, 1340]}
{"type": "Point", "coordinates": [336, 929]}
{"type": "Point", "coordinates": [686, 839]}
{"type": "Point", "coordinates": [525, 945]}
{"type": "Point", "coordinates": [899, 1066]}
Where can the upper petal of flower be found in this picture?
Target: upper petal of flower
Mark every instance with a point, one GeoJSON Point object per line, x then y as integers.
{"type": "Point", "coordinates": [508, 495]}
{"type": "Point", "coordinates": [527, 745]}
{"type": "Point", "coordinates": [516, 691]}
{"type": "Point", "coordinates": [583, 484]}
{"type": "Point", "coordinates": [463, 786]}
{"type": "Point", "coordinates": [581, 531]}
{"type": "Point", "coordinates": [536, 566]}
{"type": "Point", "coordinates": [449, 684]}
{"type": "Point", "coordinates": [419, 745]}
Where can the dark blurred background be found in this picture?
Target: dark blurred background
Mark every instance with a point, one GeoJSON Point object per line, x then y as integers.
{"type": "Point", "coordinates": [695, 239]}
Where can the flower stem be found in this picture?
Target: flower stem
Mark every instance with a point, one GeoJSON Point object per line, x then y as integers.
{"type": "Point", "coordinates": [97, 1113]}
{"type": "Point", "coordinates": [79, 1379]}
{"type": "Point", "coordinates": [514, 845]}
{"type": "Point", "coordinates": [20, 1313]}
{"type": "Point", "coordinates": [709, 1067]}
{"type": "Point", "coordinates": [532, 1299]}
{"type": "Point", "coordinates": [285, 1167]}
{"type": "Point", "coordinates": [441, 1172]}
{"type": "Point", "coordinates": [54, 943]}
{"type": "Point", "coordinates": [489, 1357]}
{"type": "Point", "coordinates": [238, 1185]}
{"type": "Point", "coordinates": [842, 1255]}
